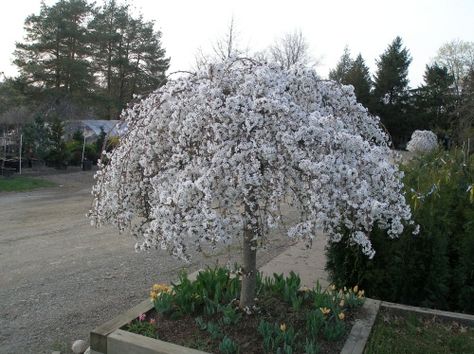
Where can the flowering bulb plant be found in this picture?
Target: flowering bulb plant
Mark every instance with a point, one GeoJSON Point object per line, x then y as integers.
{"type": "Point", "coordinates": [422, 141]}
{"type": "Point", "coordinates": [213, 155]}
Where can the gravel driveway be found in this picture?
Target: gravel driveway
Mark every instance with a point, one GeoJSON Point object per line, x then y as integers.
{"type": "Point", "coordinates": [60, 277]}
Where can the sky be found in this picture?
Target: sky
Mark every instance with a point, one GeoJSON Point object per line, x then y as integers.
{"type": "Point", "coordinates": [365, 26]}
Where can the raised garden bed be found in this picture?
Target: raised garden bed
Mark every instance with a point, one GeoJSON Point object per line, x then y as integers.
{"type": "Point", "coordinates": [288, 318]}
{"type": "Point", "coordinates": [405, 329]}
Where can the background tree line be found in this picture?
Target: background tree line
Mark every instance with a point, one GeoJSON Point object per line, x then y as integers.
{"type": "Point", "coordinates": [443, 103]}
{"type": "Point", "coordinates": [81, 60]}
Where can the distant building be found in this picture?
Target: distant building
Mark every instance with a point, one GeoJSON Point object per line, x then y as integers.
{"type": "Point", "coordinates": [92, 128]}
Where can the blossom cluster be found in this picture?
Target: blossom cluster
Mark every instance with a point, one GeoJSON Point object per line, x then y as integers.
{"type": "Point", "coordinates": [211, 153]}
{"type": "Point", "coordinates": [422, 141]}
{"type": "Point", "coordinates": [157, 289]}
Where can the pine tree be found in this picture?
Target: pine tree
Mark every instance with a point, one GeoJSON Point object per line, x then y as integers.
{"type": "Point", "coordinates": [339, 74]}
{"type": "Point", "coordinates": [391, 91]}
{"type": "Point", "coordinates": [359, 77]}
{"type": "Point", "coordinates": [437, 99]}
{"type": "Point", "coordinates": [355, 73]}
{"type": "Point", "coordinates": [127, 54]}
{"type": "Point", "coordinates": [54, 54]}
{"type": "Point", "coordinates": [89, 60]}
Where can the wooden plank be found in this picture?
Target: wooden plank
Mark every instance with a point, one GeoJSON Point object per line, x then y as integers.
{"type": "Point", "coordinates": [123, 342]}
{"type": "Point", "coordinates": [423, 311]}
{"type": "Point", "coordinates": [98, 336]}
{"type": "Point", "coordinates": [361, 329]}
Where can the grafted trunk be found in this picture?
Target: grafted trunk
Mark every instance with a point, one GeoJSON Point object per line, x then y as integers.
{"type": "Point", "coordinates": [249, 271]}
{"type": "Point", "coordinates": [249, 255]}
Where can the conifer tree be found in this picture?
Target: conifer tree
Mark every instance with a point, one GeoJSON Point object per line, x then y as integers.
{"type": "Point", "coordinates": [359, 77]}
{"type": "Point", "coordinates": [436, 99]}
{"type": "Point", "coordinates": [339, 74]}
{"type": "Point", "coordinates": [391, 91]}
{"type": "Point", "coordinates": [54, 53]}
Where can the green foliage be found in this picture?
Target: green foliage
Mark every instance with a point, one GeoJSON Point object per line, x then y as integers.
{"type": "Point", "coordinates": [74, 149]}
{"type": "Point", "coordinates": [314, 322]}
{"type": "Point", "coordinates": [201, 323]}
{"type": "Point", "coordinates": [36, 143]}
{"type": "Point", "coordinates": [99, 144]}
{"type": "Point", "coordinates": [390, 95]}
{"type": "Point", "coordinates": [395, 334]}
{"type": "Point", "coordinates": [88, 56]}
{"type": "Point", "coordinates": [214, 330]}
{"type": "Point", "coordinates": [343, 67]}
{"type": "Point", "coordinates": [60, 32]}
{"type": "Point", "coordinates": [277, 338]}
{"type": "Point", "coordinates": [164, 304]}
{"type": "Point", "coordinates": [355, 73]}
{"type": "Point", "coordinates": [230, 315]}
{"type": "Point", "coordinates": [434, 268]}
{"type": "Point", "coordinates": [211, 292]}
{"type": "Point", "coordinates": [333, 330]}
{"type": "Point", "coordinates": [228, 346]}
{"type": "Point", "coordinates": [287, 288]}
{"type": "Point", "coordinates": [78, 136]}
{"type": "Point", "coordinates": [308, 314]}
{"type": "Point", "coordinates": [311, 347]}
{"type": "Point", "coordinates": [143, 328]}
{"type": "Point", "coordinates": [58, 155]}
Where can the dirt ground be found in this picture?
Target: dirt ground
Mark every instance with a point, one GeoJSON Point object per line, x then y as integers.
{"type": "Point", "coordinates": [60, 277]}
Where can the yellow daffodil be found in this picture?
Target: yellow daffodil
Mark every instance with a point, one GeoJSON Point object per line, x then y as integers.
{"type": "Point", "coordinates": [325, 310]}
{"type": "Point", "coordinates": [341, 316]}
{"type": "Point", "coordinates": [160, 288]}
{"type": "Point", "coordinates": [304, 289]}
{"type": "Point", "coordinates": [332, 287]}
{"type": "Point", "coordinates": [356, 289]}
{"type": "Point", "coordinates": [360, 294]}
{"type": "Point", "coordinates": [283, 327]}
{"type": "Point", "coordinates": [153, 295]}
{"type": "Point", "coordinates": [342, 303]}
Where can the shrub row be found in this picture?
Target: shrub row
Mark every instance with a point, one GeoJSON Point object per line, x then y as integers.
{"type": "Point", "coordinates": [436, 267]}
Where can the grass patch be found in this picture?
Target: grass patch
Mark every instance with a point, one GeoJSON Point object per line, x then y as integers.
{"type": "Point", "coordinates": [20, 184]}
{"type": "Point", "coordinates": [395, 334]}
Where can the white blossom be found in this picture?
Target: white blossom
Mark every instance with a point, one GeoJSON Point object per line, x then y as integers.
{"type": "Point", "coordinates": [422, 141]}
{"type": "Point", "coordinates": [202, 151]}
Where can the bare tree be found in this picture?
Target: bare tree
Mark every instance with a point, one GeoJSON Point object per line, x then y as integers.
{"type": "Point", "coordinates": [458, 57]}
{"type": "Point", "coordinates": [227, 47]}
{"type": "Point", "coordinates": [290, 49]}
{"type": "Point", "coordinates": [224, 48]}
{"type": "Point", "coordinates": [16, 116]}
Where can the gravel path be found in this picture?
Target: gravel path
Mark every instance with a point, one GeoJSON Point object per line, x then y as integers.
{"type": "Point", "coordinates": [60, 277]}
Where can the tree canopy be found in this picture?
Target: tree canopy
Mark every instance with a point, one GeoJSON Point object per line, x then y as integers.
{"type": "Point", "coordinates": [212, 156]}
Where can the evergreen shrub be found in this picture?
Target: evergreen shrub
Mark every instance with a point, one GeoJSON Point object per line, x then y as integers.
{"type": "Point", "coordinates": [434, 268]}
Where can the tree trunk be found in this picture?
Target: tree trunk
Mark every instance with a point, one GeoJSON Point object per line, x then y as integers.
{"type": "Point", "coordinates": [249, 261]}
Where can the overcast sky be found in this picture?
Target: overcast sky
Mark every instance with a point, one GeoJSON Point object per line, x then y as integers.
{"type": "Point", "coordinates": [366, 26]}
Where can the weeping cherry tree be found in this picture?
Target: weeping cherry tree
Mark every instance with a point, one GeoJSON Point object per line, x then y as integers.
{"type": "Point", "coordinates": [214, 155]}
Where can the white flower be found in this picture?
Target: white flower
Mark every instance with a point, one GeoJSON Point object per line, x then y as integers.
{"type": "Point", "coordinates": [422, 141]}
{"type": "Point", "coordinates": [205, 156]}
